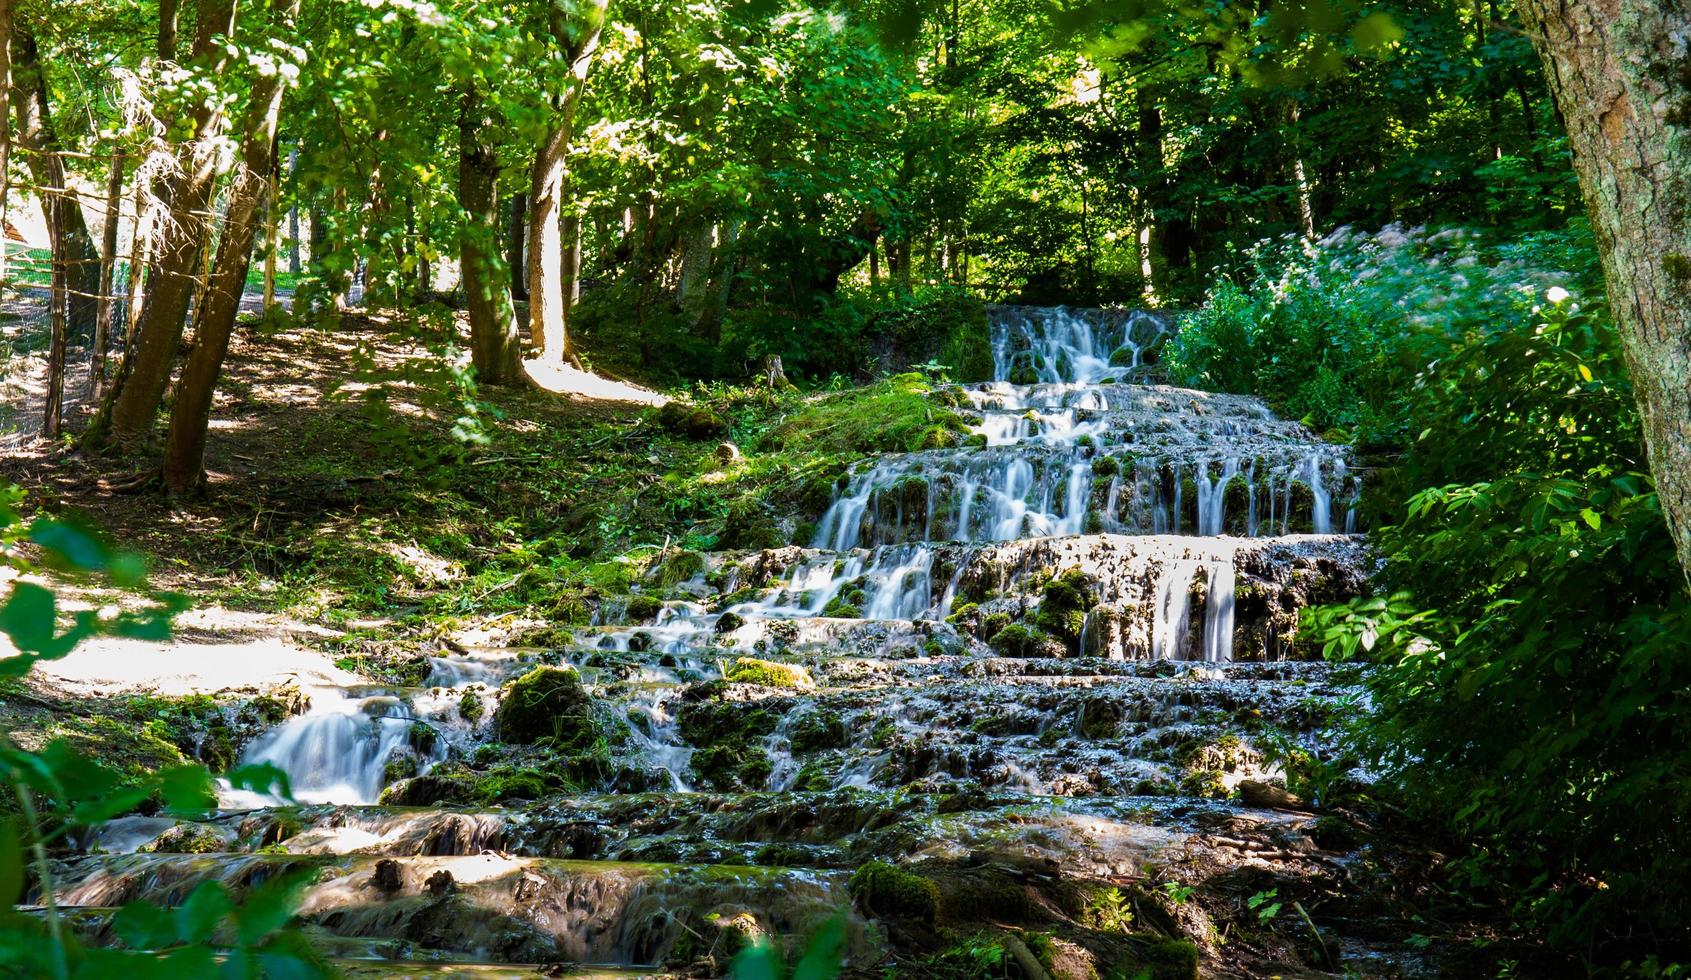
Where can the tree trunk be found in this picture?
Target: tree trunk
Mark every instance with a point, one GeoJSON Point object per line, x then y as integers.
{"type": "Point", "coordinates": [40, 143]}
{"type": "Point", "coordinates": [184, 454]}
{"type": "Point", "coordinates": [137, 270]}
{"type": "Point", "coordinates": [293, 214]}
{"type": "Point", "coordinates": [494, 341]}
{"type": "Point", "coordinates": [166, 307]}
{"type": "Point", "coordinates": [571, 271]}
{"type": "Point", "coordinates": [516, 237]}
{"type": "Point", "coordinates": [1618, 72]}
{"type": "Point", "coordinates": [58, 311]}
{"type": "Point", "coordinates": [108, 268]}
{"type": "Point", "coordinates": [578, 37]}
{"type": "Point", "coordinates": [5, 129]}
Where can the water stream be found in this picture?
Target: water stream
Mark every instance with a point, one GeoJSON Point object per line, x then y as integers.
{"type": "Point", "coordinates": [1195, 524]}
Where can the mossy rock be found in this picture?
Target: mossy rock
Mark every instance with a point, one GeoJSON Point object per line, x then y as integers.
{"type": "Point", "coordinates": [839, 608]}
{"type": "Point", "coordinates": [1063, 608]}
{"type": "Point", "coordinates": [1021, 640]}
{"type": "Point", "coordinates": [888, 891]}
{"type": "Point", "coordinates": [1161, 959]}
{"type": "Point", "coordinates": [815, 730]}
{"type": "Point", "coordinates": [731, 766]}
{"type": "Point", "coordinates": [691, 421]}
{"type": "Point", "coordinates": [729, 622]}
{"type": "Point", "coordinates": [1335, 833]}
{"type": "Point", "coordinates": [679, 567]}
{"type": "Point", "coordinates": [766, 673]}
{"type": "Point", "coordinates": [643, 608]}
{"type": "Point", "coordinates": [546, 702]}
{"type": "Point", "coordinates": [471, 708]}
{"type": "Point", "coordinates": [188, 838]}
{"type": "Point", "coordinates": [422, 737]}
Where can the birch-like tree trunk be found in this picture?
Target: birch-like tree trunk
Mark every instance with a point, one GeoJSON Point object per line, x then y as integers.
{"type": "Point", "coordinates": [1621, 74]}
{"type": "Point", "coordinates": [577, 37]}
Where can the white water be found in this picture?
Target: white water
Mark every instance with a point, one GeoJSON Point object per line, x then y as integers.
{"type": "Point", "coordinates": [1076, 451]}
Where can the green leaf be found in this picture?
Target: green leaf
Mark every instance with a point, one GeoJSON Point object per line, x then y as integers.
{"type": "Point", "coordinates": [198, 916]}
{"type": "Point", "coordinates": [142, 925]}
{"type": "Point", "coordinates": [70, 545]}
{"type": "Point", "coordinates": [269, 907]}
{"type": "Point", "coordinates": [29, 617]}
{"type": "Point", "coordinates": [11, 861]}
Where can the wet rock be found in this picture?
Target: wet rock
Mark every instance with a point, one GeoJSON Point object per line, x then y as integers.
{"type": "Point", "coordinates": [440, 884]}
{"type": "Point", "coordinates": [388, 877]}
{"type": "Point", "coordinates": [188, 838]}
{"type": "Point", "coordinates": [765, 673]}
{"type": "Point", "coordinates": [547, 702]}
{"type": "Point", "coordinates": [1255, 792]}
{"type": "Point", "coordinates": [886, 890]}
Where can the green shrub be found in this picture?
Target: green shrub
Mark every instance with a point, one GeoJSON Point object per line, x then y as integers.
{"type": "Point", "coordinates": [1533, 637]}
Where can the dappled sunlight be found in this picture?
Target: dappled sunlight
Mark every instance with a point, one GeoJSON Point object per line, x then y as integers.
{"type": "Point", "coordinates": [562, 379]}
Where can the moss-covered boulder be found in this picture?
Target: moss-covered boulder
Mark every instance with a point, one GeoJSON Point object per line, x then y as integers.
{"type": "Point", "coordinates": [546, 702]}
{"type": "Point", "coordinates": [1065, 601]}
{"type": "Point", "coordinates": [767, 673]}
{"type": "Point", "coordinates": [1021, 640]}
{"type": "Point", "coordinates": [888, 891]}
{"type": "Point", "coordinates": [691, 421]}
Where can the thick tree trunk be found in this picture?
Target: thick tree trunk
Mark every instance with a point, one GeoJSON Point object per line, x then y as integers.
{"type": "Point", "coordinates": [494, 341]}
{"type": "Point", "coordinates": [184, 455]}
{"type": "Point", "coordinates": [165, 309]}
{"type": "Point", "coordinates": [41, 151]}
{"type": "Point", "coordinates": [578, 37]}
{"type": "Point", "coordinates": [108, 269]}
{"type": "Point", "coordinates": [1618, 71]}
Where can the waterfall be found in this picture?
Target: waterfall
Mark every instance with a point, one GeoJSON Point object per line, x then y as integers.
{"type": "Point", "coordinates": [1218, 613]}
{"type": "Point", "coordinates": [1172, 622]}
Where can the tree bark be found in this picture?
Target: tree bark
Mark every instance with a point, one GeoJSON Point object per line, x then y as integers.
{"type": "Point", "coordinates": [1618, 70]}
{"type": "Point", "coordinates": [494, 341]}
{"type": "Point", "coordinates": [578, 38]}
{"type": "Point", "coordinates": [57, 314]}
{"type": "Point", "coordinates": [108, 269]}
{"type": "Point", "coordinates": [165, 309]}
{"type": "Point", "coordinates": [516, 238]}
{"type": "Point", "coordinates": [184, 455]}
{"type": "Point", "coordinates": [41, 151]}
{"type": "Point", "coordinates": [6, 32]}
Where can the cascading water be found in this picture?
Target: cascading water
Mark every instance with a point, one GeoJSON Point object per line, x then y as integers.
{"type": "Point", "coordinates": [994, 614]}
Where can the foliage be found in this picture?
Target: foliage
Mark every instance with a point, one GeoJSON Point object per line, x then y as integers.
{"type": "Point", "coordinates": [1533, 647]}
{"type": "Point", "coordinates": [824, 951]}
{"type": "Point", "coordinates": [59, 792]}
{"type": "Point", "coordinates": [1334, 332]}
